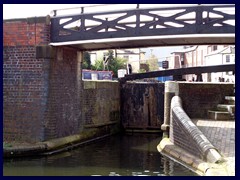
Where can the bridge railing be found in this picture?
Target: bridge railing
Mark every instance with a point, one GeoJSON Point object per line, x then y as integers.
{"type": "Point", "coordinates": [140, 22]}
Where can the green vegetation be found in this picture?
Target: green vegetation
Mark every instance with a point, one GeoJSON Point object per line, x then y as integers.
{"type": "Point", "coordinates": [112, 64]}
{"type": "Point", "coordinates": [86, 61]}
{"type": "Point", "coordinates": [141, 71]}
{"type": "Point", "coordinates": [6, 145]}
{"type": "Point", "coordinates": [153, 63]}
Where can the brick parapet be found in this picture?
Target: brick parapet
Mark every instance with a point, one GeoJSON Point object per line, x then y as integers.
{"type": "Point", "coordinates": [26, 32]}
{"type": "Point", "coordinates": [187, 136]}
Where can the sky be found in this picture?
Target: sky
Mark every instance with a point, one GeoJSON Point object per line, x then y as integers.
{"type": "Point", "coordinates": [161, 52]}
{"type": "Point", "coordinates": [32, 10]}
{"type": "Point", "coordinates": [10, 11]}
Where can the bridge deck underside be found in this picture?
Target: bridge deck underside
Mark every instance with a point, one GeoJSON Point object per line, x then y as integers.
{"type": "Point", "coordinates": [149, 42]}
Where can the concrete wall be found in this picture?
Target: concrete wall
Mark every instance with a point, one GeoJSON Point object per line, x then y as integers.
{"type": "Point", "coordinates": [142, 105]}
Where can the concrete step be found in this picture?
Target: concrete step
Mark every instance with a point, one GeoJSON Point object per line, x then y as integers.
{"type": "Point", "coordinates": [219, 115]}
{"type": "Point", "coordinates": [230, 100]}
{"type": "Point", "coordinates": [226, 107]}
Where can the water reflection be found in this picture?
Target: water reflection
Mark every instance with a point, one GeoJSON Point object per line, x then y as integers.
{"type": "Point", "coordinates": [120, 155]}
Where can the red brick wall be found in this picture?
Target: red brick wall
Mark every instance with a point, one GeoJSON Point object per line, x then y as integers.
{"type": "Point", "coordinates": [26, 32]}
{"type": "Point", "coordinates": [42, 87]}
{"type": "Point", "coordinates": [25, 79]}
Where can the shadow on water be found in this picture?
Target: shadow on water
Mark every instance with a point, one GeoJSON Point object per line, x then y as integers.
{"type": "Point", "coordinates": [119, 155]}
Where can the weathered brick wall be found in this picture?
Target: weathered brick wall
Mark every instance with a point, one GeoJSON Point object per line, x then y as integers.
{"type": "Point", "coordinates": [26, 32]}
{"type": "Point", "coordinates": [142, 105]}
{"type": "Point", "coordinates": [63, 113]}
{"type": "Point", "coordinates": [42, 87]}
{"type": "Point", "coordinates": [198, 98]}
{"type": "Point", "coordinates": [25, 79]}
{"type": "Point", "coordinates": [100, 102]}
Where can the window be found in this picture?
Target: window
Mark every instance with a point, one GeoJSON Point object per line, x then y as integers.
{"type": "Point", "coordinates": [214, 48]}
{"type": "Point", "coordinates": [227, 58]}
{"type": "Point", "coordinates": [182, 59]}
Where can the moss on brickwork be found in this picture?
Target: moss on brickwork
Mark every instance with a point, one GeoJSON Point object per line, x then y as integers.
{"type": "Point", "coordinates": [89, 85]}
{"type": "Point", "coordinates": [6, 145]}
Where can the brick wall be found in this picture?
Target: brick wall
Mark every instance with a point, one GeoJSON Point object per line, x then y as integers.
{"type": "Point", "coordinates": [25, 79]}
{"type": "Point", "coordinates": [26, 32]}
{"type": "Point", "coordinates": [24, 93]}
{"type": "Point", "coordinates": [42, 87]}
{"type": "Point", "coordinates": [185, 134]}
{"type": "Point", "coordinates": [198, 98]}
{"type": "Point", "coordinates": [63, 107]}
{"type": "Point", "coordinates": [40, 83]}
{"type": "Point", "coordinates": [100, 102]}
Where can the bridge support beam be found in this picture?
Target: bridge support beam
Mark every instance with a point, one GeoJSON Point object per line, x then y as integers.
{"type": "Point", "coordinates": [171, 89]}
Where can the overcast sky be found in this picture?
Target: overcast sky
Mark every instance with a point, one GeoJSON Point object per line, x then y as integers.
{"type": "Point", "coordinates": [31, 10]}
{"type": "Point", "coordinates": [11, 11]}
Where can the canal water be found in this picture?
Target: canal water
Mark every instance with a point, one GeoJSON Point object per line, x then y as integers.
{"type": "Point", "coordinates": [118, 155]}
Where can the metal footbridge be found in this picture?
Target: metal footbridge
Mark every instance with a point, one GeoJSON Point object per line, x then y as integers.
{"type": "Point", "coordinates": [154, 25]}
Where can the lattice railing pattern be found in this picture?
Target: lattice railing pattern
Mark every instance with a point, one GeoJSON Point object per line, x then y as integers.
{"type": "Point", "coordinates": [139, 22]}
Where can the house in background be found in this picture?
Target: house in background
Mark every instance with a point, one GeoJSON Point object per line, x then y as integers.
{"type": "Point", "coordinates": [205, 55]}
{"type": "Point", "coordinates": [221, 56]}
{"type": "Point", "coordinates": [133, 56]}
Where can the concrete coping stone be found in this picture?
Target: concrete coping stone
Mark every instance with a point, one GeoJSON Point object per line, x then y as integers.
{"type": "Point", "coordinates": [42, 148]}
{"type": "Point", "coordinates": [197, 165]}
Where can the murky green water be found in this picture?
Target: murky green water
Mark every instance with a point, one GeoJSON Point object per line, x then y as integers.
{"type": "Point", "coordinates": [119, 155]}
